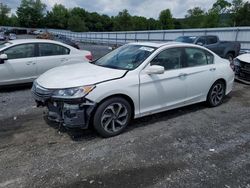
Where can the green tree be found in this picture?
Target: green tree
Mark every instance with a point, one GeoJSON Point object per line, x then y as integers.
{"type": "Point", "coordinates": [166, 19]}
{"type": "Point", "coordinates": [222, 6]}
{"type": "Point", "coordinates": [4, 11]}
{"type": "Point", "coordinates": [195, 17]}
{"type": "Point", "coordinates": [237, 5]}
{"type": "Point", "coordinates": [122, 22]}
{"type": "Point", "coordinates": [75, 23]}
{"type": "Point", "coordinates": [153, 24]}
{"type": "Point", "coordinates": [30, 13]}
{"type": "Point", "coordinates": [13, 21]}
{"type": "Point", "coordinates": [58, 17]}
{"type": "Point", "coordinates": [243, 15]}
{"type": "Point", "coordinates": [139, 23]}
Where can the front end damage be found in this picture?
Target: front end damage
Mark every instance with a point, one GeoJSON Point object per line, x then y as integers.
{"type": "Point", "coordinates": [242, 71]}
{"type": "Point", "coordinates": [72, 113]}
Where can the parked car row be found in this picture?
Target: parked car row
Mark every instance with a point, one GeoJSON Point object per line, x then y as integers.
{"type": "Point", "coordinates": [10, 36]}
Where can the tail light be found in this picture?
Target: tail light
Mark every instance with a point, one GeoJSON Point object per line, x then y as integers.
{"type": "Point", "coordinates": [89, 57]}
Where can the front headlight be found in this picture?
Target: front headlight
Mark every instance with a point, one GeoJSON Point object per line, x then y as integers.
{"type": "Point", "coordinates": [236, 62]}
{"type": "Point", "coordinates": [73, 93]}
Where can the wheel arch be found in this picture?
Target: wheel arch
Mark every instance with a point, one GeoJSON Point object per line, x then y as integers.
{"type": "Point", "coordinates": [220, 79]}
{"type": "Point", "coordinates": [124, 96]}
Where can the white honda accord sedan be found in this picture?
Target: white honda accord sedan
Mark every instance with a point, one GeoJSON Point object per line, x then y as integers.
{"type": "Point", "coordinates": [132, 81]}
{"type": "Point", "coordinates": [22, 61]}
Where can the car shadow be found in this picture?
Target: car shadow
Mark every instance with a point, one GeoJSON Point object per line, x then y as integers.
{"type": "Point", "coordinates": [12, 88]}
{"type": "Point", "coordinates": [77, 134]}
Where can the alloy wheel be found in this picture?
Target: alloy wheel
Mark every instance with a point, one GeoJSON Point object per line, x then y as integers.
{"type": "Point", "coordinates": [217, 94]}
{"type": "Point", "coordinates": [114, 117]}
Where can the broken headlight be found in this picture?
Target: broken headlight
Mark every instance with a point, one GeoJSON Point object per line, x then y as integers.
{"type": "Point", "coordinates": [73, 93]}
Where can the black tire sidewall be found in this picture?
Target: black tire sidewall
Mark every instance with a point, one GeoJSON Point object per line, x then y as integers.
{"type": "Point", "coordinates": [209, 100]}
{"type": "Point", "coordinates": [230, 55]}
{"type": "Point", "coordinates": [99, 111]}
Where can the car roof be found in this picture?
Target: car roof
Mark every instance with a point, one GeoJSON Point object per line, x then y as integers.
{"type": "Point", "coordinates": [22, 41]}
{"type": "Point", "coordinates": [161, 44]}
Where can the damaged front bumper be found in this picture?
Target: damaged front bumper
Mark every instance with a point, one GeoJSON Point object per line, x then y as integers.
{"type": "Point", "coordinates": [72, 113]}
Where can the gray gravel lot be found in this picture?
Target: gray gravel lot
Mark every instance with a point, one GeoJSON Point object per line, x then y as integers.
{"type": "Point", "coordinates": [194, 146]}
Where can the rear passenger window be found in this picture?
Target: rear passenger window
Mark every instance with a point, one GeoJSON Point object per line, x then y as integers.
{"type": "Point", "coordinates": [169, 59]}
{"type": "Point", "coordinates": [197, 57]}
{"type": "Point", "coordinates": [211, 40]}
{"type": "Point", "coordinates": [46, 49]}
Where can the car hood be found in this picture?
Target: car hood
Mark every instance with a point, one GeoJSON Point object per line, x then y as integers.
{"type": "Point", "coordinates": [244, 57]}
{"type": "Point", "coordinates": [75, 75]}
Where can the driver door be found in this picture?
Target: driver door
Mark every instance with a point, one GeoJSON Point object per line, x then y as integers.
{"type": "Point", "coordinates": [159, 92]}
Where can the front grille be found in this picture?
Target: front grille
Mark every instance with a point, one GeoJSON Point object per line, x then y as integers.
{"type": "Point", "coordinates": [41, 93]}
{"type": "Point", "coordinates": [243, 71]}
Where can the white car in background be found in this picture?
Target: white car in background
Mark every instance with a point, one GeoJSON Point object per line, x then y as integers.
{"type": "Point", "coordinates": [22, 61]}
{"type": "Point", "coordinates": [242, 68]}
{"type": "Point", "coordinates": [132, 81]}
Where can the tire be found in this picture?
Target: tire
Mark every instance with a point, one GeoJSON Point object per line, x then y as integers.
{"type": "Point", "coordinates": [112, 117]}
{"type": "Point", "coordinates": [216, 94]}
{"type": "Point", "coordinates": [230, 57]}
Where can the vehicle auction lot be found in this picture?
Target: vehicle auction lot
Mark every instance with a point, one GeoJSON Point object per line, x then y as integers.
{"type": "Point", "coordinates": [194, 146]}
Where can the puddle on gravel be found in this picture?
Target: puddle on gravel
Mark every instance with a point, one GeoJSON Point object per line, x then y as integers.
{"type": "Point", "coordinates": [134, 177]}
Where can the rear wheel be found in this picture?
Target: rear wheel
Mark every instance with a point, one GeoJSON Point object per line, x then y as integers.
{"type": "Point", "coordinates": [112, 117]}
{"type": "Point", "coordinates": [230, 57]}
{"type": "Point", "coordinates": [216, 93]}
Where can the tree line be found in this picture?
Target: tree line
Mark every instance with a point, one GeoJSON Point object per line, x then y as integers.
{"type": "Point", "coordinates": [33, 14]}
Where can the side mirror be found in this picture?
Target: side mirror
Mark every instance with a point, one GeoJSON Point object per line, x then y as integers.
{"type": "Point", "coordinates": [155, 69]}
{"type": "Point", "coordinates": [200, 43]}
{"type": "Point", "coordinates": [3, 57]}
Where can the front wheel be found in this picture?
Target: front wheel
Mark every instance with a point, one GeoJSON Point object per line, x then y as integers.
{"type": "Point", "coordinates": [216, 94]}
{"type": "Point", "coordinates": [112, 117]}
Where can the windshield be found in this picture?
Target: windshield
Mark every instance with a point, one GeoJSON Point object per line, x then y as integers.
{"type": "Point", "coordinates": [127, 57]}
{"type": "Point", "coordinates": [4, 44]}
{"type": "Point", "coordinates": [186, 39]}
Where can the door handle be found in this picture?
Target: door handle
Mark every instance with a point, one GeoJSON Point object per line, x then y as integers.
{"type": "Point", "coordinates": [212, 69]}
{"type": "Point", "coordinates": [29, 62]}
{"type": "Point", "coordinates": [182, 75]}
{"type": "Point", "coordinates": [64, 59]}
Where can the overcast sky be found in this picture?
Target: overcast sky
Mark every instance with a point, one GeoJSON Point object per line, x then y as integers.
{"type": "Point", "coordinates": [147, 8]}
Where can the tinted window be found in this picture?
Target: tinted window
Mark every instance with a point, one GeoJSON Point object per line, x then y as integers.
{"type": "Point", "coordinates": [186, 39]}
{"type": "Point", "coordinates": [197, 57]}
{"type": "Point", "coordinates": [21, 51]}
{"type": "Point", "coordinates": [46, 49]}
{"type": "Point", "coordinates": [201, 40]}
{"type": "Point", "coordinates": [169, 59]}
{"type": "Point", "coordinates": [211, 40]}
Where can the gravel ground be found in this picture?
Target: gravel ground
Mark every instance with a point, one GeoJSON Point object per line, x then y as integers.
{"type": "Point", "coordinates": [195, 146]}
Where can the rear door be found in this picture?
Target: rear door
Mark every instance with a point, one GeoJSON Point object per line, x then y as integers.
{"type": "Point", "coordinates": [20, 66]}
{"type": "Point", "coordinates": [200, 71]}
{"type": "Point", "coordinates": [51, 55]}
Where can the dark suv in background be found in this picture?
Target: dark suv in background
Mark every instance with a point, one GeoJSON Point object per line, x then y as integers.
{"type": "Point", "coordinates": [225, 49]}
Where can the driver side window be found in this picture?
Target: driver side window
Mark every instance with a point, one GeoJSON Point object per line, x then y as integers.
{"type": "Point", "coordinates": [169, 59]}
